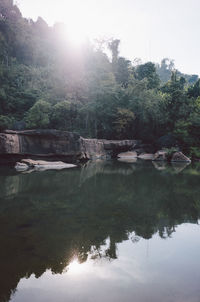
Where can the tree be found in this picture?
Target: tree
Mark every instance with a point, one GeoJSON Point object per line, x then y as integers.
{"type": "Point", "coordinates": [148, 71]}
{"type": "Point", "coordinates": [124, 71]}
{"type": "Point", "coordinates": [123, 122]}
{"type": "Point", "coordinates": [5, 122]}
{"type": "Point", "coordinates": [39, 115]}
{"type": "Point", "coordinates": [114, 48]}
{"type": "Point", "coordinates": [194, 91]}
{"type": "Point", "coordinates": [165, 69]}
{"type": "Point", "coordinates": [60, 117]}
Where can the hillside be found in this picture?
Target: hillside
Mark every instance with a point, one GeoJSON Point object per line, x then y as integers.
{"type": "Point", "coordinates": [46, 82]}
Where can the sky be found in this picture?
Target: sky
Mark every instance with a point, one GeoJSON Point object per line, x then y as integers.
{"type": "Point", "coordinates": [148, 29]}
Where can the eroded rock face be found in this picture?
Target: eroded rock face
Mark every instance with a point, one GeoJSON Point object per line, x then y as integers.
{"type": "Point", "coordinates": [60, 143]}
{"type": "Point", "coordinates": [9, 144]}
{"type": "Point", "coordinates": [92, 149]}
{"type": "Point", "coordinates": [40, 142]}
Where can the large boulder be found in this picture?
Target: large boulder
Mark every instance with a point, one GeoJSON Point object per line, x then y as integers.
{"type": "Point", "coordinates": [92, 149]}
{"type": "Point", "coordinates": [128, 154]}
{"type": "Point", "coordinates": [180, 157]}
{"type": "Point", "coordinates": [21, 166]}
{"type": "Point", "coordinates": [127, 157]}
{"type": "Point", "coordinates": [146, 156]}
{"type": "Point", "coordinates": [41, 165]}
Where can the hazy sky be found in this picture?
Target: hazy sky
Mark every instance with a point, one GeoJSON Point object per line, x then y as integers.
{"type": "Point", "coordinates": [148, 29]}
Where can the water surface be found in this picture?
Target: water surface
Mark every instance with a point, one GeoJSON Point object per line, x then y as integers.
{"type": "Point", "coordinates": [109, 231]}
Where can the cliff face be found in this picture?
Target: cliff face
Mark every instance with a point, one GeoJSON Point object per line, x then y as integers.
{"type": "Point", "coordinates": [59, 143]}
{"type": "Point", "coordinates": [9, 144]}
{"type": "Point", "coordinates": [40, 142]}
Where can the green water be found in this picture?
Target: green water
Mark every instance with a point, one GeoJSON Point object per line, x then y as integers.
{"type": "Point", "coordinates": [109, 231]}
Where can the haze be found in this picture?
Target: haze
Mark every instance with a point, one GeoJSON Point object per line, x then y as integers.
{"type": "Point", "coordinates": [148, 29]}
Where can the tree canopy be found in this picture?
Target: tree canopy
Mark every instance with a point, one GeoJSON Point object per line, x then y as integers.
{"type": "Point", "coordinates": [46, 83]}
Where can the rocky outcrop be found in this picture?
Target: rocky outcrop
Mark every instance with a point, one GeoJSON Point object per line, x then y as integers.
{"type": "Point", "coordinates": [40, 142]}
{"type": "Point", "coordinates": [180, 157]}
{"type": "Point", "coordinates": [9, 143]}
{"type": "Point", "coordinates": [92, 149]}
{"type": "Point", "coordinates": [60, 144]}
{"type": "Point", "coordinates": [117, 146]}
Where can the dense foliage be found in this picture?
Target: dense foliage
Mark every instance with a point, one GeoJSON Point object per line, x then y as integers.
{"type": "Point", "coordinates": [47, 83]}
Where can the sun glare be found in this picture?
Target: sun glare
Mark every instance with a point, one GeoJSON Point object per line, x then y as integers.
{"type": "Point", "coordinates": [75, 34]}
{"type": "Point", "coordinates": [75, 267]}
{"type": "Point", "coordinates": [81, 23]}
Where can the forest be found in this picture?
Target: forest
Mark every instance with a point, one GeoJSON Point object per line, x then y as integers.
{"type": "Point", "coordinates": [45, 82]}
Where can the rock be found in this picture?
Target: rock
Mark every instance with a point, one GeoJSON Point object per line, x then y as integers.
{"type": "Point", "coordinates": [53, 167]}
{"type": "Point", "coordinates": [180, 157]}
{"type": "Point", "coordinates": [21, 166]}
{"type": "Point", "coordinates": [92, 149]}
{"type": "Point", "coordinates": [60, 144]}
{"type": "Point", "coordinates": [160, 156]}
{"type": "Point", "coordinates": [146, 156]}
{"type": "Point", "coordinates": [114, 147]}
{"type": "Point", "coordinates": [9, 144]}
{"type": "Point", "coordinates": [117, 145]}
{"type": "Point", "coordinates": [41, 165]}
{"type": "Point", "coordinates": [40, 142]}
{"type": "Point", "coordinates": [127, 155]}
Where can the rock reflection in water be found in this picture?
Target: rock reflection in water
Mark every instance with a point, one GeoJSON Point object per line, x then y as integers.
{"type": "Point", "coordinates": [48, 218]}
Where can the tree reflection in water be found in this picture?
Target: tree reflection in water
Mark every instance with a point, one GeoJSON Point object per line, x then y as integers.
{"type": "Point", "coordinates": [48, 219]}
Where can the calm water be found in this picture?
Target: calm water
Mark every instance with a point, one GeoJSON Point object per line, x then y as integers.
{"type": "Point", "coordinates": [106, 232]}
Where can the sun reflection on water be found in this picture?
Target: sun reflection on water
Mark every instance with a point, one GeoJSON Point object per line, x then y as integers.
{"type": "Point", "coordinates": [75, 267]}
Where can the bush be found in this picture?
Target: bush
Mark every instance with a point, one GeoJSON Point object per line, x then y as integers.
{"type": "Point", "coordinates": [195, 152]}
{"type": "Point", "coordinates": [170, 151]}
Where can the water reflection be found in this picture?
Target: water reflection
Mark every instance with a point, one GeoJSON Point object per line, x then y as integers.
{"type": "Point", "coordinates": [54, 220]}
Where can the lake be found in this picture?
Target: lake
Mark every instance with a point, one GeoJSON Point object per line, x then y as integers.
{"type": "Point", "coordinates": [105, 232]}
